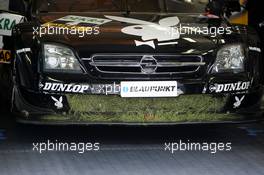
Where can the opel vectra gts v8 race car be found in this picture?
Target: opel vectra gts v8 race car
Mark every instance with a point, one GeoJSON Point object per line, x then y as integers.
{"type": "Point", "coordinates": [134, 62]}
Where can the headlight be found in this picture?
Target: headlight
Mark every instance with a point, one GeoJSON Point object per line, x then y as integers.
{"type": "Point", "coordinates": [60, 58]}
{"type": "Point", "coordinates": [229, 59]}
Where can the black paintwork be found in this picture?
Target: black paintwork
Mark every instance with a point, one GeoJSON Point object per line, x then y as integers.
{"type": "Point", "coordinates": [28, 70]}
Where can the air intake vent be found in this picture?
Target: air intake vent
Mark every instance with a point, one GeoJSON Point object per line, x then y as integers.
{"type": "Point", "coordinates": [146, 64]}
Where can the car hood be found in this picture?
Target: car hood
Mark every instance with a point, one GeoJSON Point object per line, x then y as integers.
{"type": "Point", "coordinates": [134, 33]}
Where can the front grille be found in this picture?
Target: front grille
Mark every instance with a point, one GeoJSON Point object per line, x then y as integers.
{"type": "Point", "coordinates": [144, 65]}
{"type": "Point", "coordinates": [132, 64]}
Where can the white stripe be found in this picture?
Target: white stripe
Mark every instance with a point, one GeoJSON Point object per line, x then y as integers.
{"type": "Point", "coordinates": [190, 40]}
{"type": "Point", "coordinates": [169, 43]}
{"type": "Point", "coordinates": [23, 50]}
{"type": "Point", "coordinates": [257, 49]}
{"type": "Point", "coordinates": [1, 42]}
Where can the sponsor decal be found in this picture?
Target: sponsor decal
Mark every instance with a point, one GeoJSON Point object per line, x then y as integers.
{"type": "Point", "coordinates": [105, 89]}
{"type": "Point", "coordinates": [76, 20]}
{"type": "Point", "coordinates": [5, 56]}
{"type": "Point", "coordinates": [256, 49]}
{"type": "Point", "coordinates": [58, 102]}
{"type": "Point", "coordinates": [163, 31]}
{"type": "Point", "coordinates": [166, 31]}
{"type": "Point", "coordinates": [125, 89]}
{"type": "Point", "coordinates": [149, 89]}
{"type": "Point", "coordinates": [238, 102]}
{"type": "Point", "coordinates": [229, 87]}
{"type": "Point", "coordinates": [59, 87]}
{"type": "Point", "coordinates": [7, 23]}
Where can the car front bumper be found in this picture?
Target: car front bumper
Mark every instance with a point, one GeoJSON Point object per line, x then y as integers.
{"type": "Point", "coordinates": [39, 107]}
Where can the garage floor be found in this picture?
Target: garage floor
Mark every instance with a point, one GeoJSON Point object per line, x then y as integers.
{"type": "Point", "coordinates": [131, 150]}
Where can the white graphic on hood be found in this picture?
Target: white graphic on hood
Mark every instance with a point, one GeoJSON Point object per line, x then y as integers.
{"type": "Point", "coordinates": [148, 43]}
{"type": "Point", "coordinates": [238, 101]}
{"type": "Point", "coordinates": [58, 103]}
{"type": "Point", "coordinates": [163, 31]}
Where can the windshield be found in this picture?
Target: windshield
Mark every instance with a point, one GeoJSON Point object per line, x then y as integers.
{"type": "Point", "coordinates": [171, 6]}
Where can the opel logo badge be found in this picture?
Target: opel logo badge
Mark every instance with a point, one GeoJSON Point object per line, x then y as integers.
{"type": "Point", "coordinates": [148, 64]}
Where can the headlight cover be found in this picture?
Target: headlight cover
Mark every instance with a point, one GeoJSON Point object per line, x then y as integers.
{"type": "Point", "coordinates": [229, 58]}
{"type": "Point", "coordinates": [59, 58]}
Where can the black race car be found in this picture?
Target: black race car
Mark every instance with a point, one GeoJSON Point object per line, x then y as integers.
{"type": "Point", "coordinates": [134, 62]}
